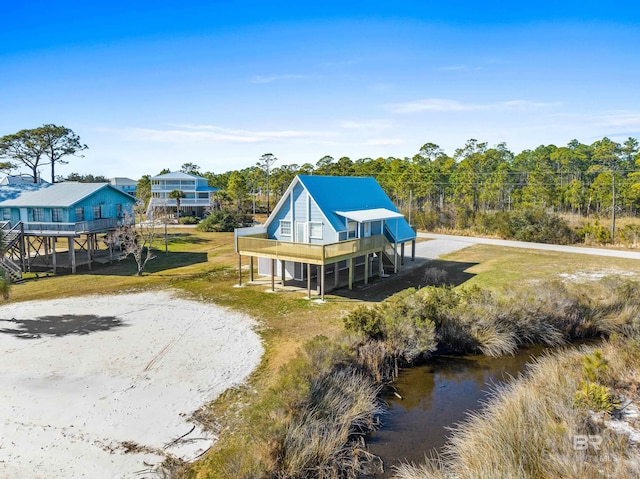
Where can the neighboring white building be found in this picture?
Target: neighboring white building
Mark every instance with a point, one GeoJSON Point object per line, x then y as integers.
{"type": "Point", "coordinates": [198, 195]}
{"type": "Point", "coordinates": [124, 184]}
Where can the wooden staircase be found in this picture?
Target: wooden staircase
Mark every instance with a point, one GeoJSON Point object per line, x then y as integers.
{"type": "Point", "coordinates": [11, 256]}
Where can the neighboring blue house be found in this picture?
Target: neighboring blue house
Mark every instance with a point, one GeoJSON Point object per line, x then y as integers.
{"type": "Point", "coordinates": [332, 223]}
{"type": "Point", "coordinates": [33, 220]}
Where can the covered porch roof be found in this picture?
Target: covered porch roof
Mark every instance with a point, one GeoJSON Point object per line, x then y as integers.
{"type": "Point", "coordinates": [366, 216]}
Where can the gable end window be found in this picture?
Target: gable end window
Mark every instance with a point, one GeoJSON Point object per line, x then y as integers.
{"type": "Point", "coordinates": [79, 214]}
{"type": "Point", "coordinates": [97, 212]}
{"type": "Point", "coordinates": [56, 215]}
{"type": "Point", "coordinates": [285, 228]}
{"type": "Point", "coordinates": [315, 230]}
{"type": "Point", "coordinates": [6, 214]}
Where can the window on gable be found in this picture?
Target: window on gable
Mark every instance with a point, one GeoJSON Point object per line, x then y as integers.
{"type": "Point", "coordinates": [97, 212]}
{"type": "Point", "coordinates": [56, 215]}
{"type": "Point", "coordinates": [79, 214]}
{"type": "Point", "coordinates": [285, 228]}
{"type": "Point", "coordinates": [315, 230]}
{"type": "Point", "coordinates": [6, 214]}
{"type": "Point", "coordinates": [119, 210]}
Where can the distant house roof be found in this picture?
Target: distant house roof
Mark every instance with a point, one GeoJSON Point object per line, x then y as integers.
{"type": "Point", "coordinates": [20, 180]}
{"type": "Point", "coordinates": [61, 195]}
{"type": "Point", "coordinates": [178, 175]}
{"type": "Point", "coordinates": [122, 181]}
{"type": "Point", "coordinates": [355, 197]}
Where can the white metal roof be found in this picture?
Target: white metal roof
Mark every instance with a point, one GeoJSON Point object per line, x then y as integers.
{"type": "Point", "coordinates": [364, 216]}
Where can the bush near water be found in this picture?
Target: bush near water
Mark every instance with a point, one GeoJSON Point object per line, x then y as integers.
{"type": "Point", "coordinates": [313, 421]}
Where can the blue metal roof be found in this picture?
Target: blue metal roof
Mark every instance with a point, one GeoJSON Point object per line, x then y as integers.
{"type": "Point", "coordinates": [351, 193]}
{"type": "Point", "coordinates": [60, 195]}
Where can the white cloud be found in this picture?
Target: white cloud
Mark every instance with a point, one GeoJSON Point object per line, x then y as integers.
{"type": "Point", "coordinates": [373, 124]}
{"type": "Point", "coordinates": [621, 119]}
{"type": "Point", "coordinates": [446, 105]}
{"type": "Point", "coordinates": [451, 68]}
{"type": "Point", "coordinates": [216, 134]}
{"type": "Point", "coordinates": [385, 141]}
{"type": "Point", "coordinates": [274, 78]}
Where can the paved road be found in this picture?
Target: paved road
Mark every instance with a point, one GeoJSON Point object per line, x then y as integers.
{"type": "Point", "coordinates": [449, 243]}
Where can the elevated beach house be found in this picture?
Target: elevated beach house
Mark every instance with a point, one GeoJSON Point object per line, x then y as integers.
{"type": "Point", "coordinates": [197, 194]}
{"type": "Point", "coordinates": [36, 220]}
{"type": "Point", "coordinates": [325, 224]}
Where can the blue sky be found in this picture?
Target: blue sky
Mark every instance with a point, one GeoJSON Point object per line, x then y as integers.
{"type": "Point", "coordinates": [152, 85]}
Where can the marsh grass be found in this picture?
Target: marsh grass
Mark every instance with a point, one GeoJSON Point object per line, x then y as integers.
{"type": "Point", "coordinates": [526, 429]}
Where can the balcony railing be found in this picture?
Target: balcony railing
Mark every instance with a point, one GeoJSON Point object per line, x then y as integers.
{"type": "Point", "coordinates": [309, 253]}
{"type": "Point", "coordinates": [68, 229]}
{"type": "Point", "coordinates": [183, 202]}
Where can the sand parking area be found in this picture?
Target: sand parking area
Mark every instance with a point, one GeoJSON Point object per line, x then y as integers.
{"type": "Point", "coordinates": [102, 386]}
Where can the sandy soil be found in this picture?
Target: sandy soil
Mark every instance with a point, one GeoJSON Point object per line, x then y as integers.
{"type": "Point", "coordinates": [101, 386]}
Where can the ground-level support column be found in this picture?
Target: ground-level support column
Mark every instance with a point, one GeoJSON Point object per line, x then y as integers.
{"type": "Point", "coordinates": [22, 248]}
{"type": "Point", "coordinates": [72, 254]}
{"type": "Point", "coordinates": [336, 274]}
{"type": "Point", "coordinates": [309, 280]}
{"type": "Point", "coordinates": [350, 273]}
{"type": "Point", "coordinates": [322, 271]}
{"type": "Point", "coordinates": [251, 268]}
{"type": "Point", "coordinates": [380, 264]}
{"type": "Point", "coordinates": [366, 269]}
{"type": "Point", "coordinates": [46, 249]}
{"type": "Point", "coordinates": [273, 275]}
{"type": "Point", "coordinates": [413, 250]}
{"type": "Point", "coordinates": [402, 253]}
{"type": "Point", "coordinates": [282, 271]}
{"type": "Point", "coordinates": [53, 254]}
{"type": "Point", "coordinates": [89, 242]}
{"type": "Point", "coordinates": [239, 269]}
{"type": "Point", "coordinates": [395, 257]}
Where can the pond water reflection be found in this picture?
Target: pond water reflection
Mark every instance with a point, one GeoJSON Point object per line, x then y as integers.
{"type": "Point", "coordinates": [435, 397]}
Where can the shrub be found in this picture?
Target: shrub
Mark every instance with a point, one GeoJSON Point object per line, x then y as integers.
{"type": "Point", "coordinates": [539, 226]}
{"type": "Point", "coordinates": [189, 220]}
{"type": "Point", "coordinates": [224, 221]}
{"type": "Point", "coordinates": [630, 235]}
{"type": "Point", "coordinates": [364, 320]}
{"type": "Point", "coordinates": [594, 233]}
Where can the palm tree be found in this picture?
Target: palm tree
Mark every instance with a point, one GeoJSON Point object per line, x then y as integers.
{"type": "Point", "coordinates": [177, 195]}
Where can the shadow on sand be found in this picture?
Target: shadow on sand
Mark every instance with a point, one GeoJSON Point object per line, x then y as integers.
{"type": "Point", "coordinates": [63, 325]}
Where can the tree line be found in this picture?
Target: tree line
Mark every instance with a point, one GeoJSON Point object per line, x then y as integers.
{"type": "Point", "coordinates": [576, 178]}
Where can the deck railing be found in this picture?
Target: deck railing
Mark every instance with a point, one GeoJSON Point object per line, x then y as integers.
{"type": "Point", "coordinates": [309, 253]}
{"type": "Point", "coordinates": [66, 229]}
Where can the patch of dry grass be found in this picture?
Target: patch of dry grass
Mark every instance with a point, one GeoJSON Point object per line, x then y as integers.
{"type": "Point", "coordinates": [527, 429]}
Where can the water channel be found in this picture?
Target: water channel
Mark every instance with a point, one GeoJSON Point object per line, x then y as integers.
{"type": "Point", "coordinates": [435, 397]}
